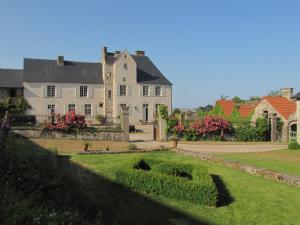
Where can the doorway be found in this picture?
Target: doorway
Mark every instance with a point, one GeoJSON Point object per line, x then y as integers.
{"type": "Point", "coordinates": [145, 112]}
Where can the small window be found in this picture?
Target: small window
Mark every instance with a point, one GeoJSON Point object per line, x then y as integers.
{"type": "Point", "coordinates": [87, 109]}
{"type": "Point", "coordinates": [83, 91]}
{"type": "Point", "coordinates": [101, 105]}
{"type": "Point", "coordinates": [109, 94]}
{"type": "Point", "coordinates": [122, 90]}
{"type": "Point", "coordinates": [124, 79]}
{"type": "Point", "coordinates": [125, 66]}
{"type": "Point", "coordinates": [122, 106]}
{"type": "Point", "coordinates": [50, 91]}
{"type": "Point", "coordinates": [158, 91]}
{"type": "Point", "coordinates": [71, 107]}
{"type": "Point", "coordinates": [12, 93]}
{"type": "Point", "coordinates": [145, 90]}
{"type": "Point", "coordinates": [51, 109]}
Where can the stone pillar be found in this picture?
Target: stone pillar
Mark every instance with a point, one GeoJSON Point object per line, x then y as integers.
{"type": "Point", "coordinates": [125, 119]}
{"type": "Point", "coordinates": [162, 129]}
{"type": "Point", "coordinates": [298, 120]}
{"type": "Point", "coordinates": [273, 128]}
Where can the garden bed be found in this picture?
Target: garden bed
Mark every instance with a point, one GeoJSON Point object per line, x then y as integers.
{"type": "Point", "coordinates": [171, 180]}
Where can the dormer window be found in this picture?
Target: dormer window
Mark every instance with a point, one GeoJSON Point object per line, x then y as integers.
{"type": "Point", "coordinates": [83, 91]}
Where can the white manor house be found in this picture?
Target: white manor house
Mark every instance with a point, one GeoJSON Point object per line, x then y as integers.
{"type": "Point", "coordinates": [91, 88]}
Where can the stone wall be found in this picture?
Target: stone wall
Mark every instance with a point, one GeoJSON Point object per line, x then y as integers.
{"type": "Point", "coordinates": [91, 136]}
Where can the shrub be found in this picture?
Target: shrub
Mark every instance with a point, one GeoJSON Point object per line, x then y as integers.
{"type": "Point", "coordinates": [171, 180]}
{"type": "Point", "coordinates": [132, 147]}
{"type": "Point", "coordinates": [294, 145]}
{"type": "Point", "coordinates": [100, 118]}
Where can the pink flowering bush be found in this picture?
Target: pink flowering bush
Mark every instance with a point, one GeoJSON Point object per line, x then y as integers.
{"type": "Point", "coordinates": [208, 126]}
{"type": "Point", "coordinates": [69, 122]}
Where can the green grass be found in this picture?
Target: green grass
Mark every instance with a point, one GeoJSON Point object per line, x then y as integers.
{"type": "Point", "coordinates": [284, 161]}
{"type": "Point", "coordinates": [256, 200]}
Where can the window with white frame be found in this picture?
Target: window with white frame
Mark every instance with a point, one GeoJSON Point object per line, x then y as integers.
{"type": "Point", "coordinates": [158, 91]}
{"type": "Point", "coordinates": [88, 109]}
{"type": "Point", "coordinates": [71, 107]}
{"type": "Point", "coordinates": [83, 91]}
{"type": "Point", "coordinates": [145, 90]}
{"type": "Point", "coordinates": [50, 91]}
{"type": "Point", "coordinates": [122, 90]}
{"type": "Point", "coordinates": [51, 109]}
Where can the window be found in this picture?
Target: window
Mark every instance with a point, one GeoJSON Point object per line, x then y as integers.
{"type": "Point", "coordinates": [109, 94]}
{"type": "Point", "coordinates": [83, 91]}
{"type": "Point", "coordinates": [51, 109]}
{"type": "Point", "coordinates": [50, 91]}
{"type": "Point", "coordinates": [124, 79]}
{"type": "Point", "coordinates": [101, 105]}
{"type": "Point", "coordinates": [157, 90]}
{"type": "Point", "coordinates": [12, 93]}
{"type": "Point", "coordinates": [122, 106]}
{"type": "Point", "coordinates": [125, 66]}
{"type": "Point", "coordinates": [145, 90]}
{"type": "Point", "coordinates": [87, 109]}
{"type": "Point", "coordinates": [122, 90]}
{"type": "Point", "coordinates": [71, 107]}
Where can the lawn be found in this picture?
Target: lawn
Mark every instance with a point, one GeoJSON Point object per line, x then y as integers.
{"type": "Point", "coordinates": [86, 184]}
{"type": "Point", "coordinates": [75, 146]}
{"type": "Point", "coordinates": [251, 199]}
{"type": "Point", "coordinates": [284, 161]}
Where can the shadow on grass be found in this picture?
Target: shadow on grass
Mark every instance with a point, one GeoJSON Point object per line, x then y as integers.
{"type": "Point", "coordinates": [224, 197]}
{"type": "Point", "coordinates": [76, 188]}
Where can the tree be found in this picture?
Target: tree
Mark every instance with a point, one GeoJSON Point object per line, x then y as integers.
{"type": "Point", "coordinates": [238, 100]}
{"type": "Point", "coordinates": [274, 93]}
{"type": "Point", "coordinates": [176, 111]}
{"type": "Point", "coordinates": [223, 97]}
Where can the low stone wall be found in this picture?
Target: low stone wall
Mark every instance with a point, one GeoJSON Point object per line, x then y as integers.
{"type": "Point", "coordinates": [288, 179]}
{"type": "Point", "coordinates": [90, 136]}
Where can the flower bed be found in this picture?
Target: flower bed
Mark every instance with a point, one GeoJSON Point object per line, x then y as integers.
{"type": "Point", "coordinates": [171, 180]}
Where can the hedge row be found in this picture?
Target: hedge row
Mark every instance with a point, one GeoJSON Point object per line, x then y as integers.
{"type": "Point", "coordinates": [181, 182]}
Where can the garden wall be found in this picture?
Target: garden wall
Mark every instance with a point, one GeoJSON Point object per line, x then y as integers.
{"type": "Point", "coordinates": [91, 136]}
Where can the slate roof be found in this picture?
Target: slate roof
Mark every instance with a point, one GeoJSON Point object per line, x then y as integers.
{"type": "Point", "coordinates": [148, 73]}
{"type": "Point", "coordinates": [296, 96]}
{"type": "Point", "coordinates": [41, 70]}
{"type": "Point", "coordinates": [11, 78]}
{"type": "Point", "coordinates": [229, 105]}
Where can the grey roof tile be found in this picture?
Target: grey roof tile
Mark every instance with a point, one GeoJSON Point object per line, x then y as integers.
{"type": "Point", "coordinates": [11, 78]}
{"type": "Point", "coordinates": [148, 73]}
{"type": "Point", "coordinates": [296, 96]}
{"type": "Point", "coordinates": [41, 70]}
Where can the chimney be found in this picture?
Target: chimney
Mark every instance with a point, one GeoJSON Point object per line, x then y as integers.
{"type": "Point", "coordinates": [287, 92]}
{"type": "Point", "coordinates": [139, 53]}
{"type": "Point", "coordinates": [117, 53]}
{"type": "Point", "coordinates": [104, 54]}
{"type": "Point", "coordinates": [60, 60]}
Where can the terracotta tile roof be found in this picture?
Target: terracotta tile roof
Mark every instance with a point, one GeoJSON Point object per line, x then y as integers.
{"type": "Point", "coordinates": [228, 107]}
{"type": "Point", "coordinates": [282, 105]}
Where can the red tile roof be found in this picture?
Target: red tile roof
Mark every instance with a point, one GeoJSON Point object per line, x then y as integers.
{"type": "Point", "coordinates": [282, 105]}
{"type": "Point", "coordinates": [228, 107]}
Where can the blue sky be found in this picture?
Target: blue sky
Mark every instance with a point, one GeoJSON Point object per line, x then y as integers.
{"type": "Point", "coordinates": [206, 48]}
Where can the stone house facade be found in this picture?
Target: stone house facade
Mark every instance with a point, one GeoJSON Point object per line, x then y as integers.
{"type": "Point", "coordinates": [120, 80]}
{"type": "Point", "coordinates": [284, 108]}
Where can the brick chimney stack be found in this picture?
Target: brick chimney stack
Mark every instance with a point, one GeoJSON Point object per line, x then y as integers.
{"type": "Point", "coordinates": [60, 60]}
{"type": "Point", "coordinates": [104, 54]}
{"type": "Point", "coordinates": [139, 53]}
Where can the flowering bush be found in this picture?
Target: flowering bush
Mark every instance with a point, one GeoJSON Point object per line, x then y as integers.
{"type": "Point", "coordinates": [68, 122]}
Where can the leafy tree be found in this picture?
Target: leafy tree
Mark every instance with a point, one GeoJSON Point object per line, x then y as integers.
{"type": "Point", "coordinates": [223, 97]}
{"type": "Point", "coordinates": [17, 105]}
{"type": "Point", "coordinates": [274, 93]}
{"type": "Point", "coordinates": [217, 110]}
{"type": "Point", "coordinates": [176, 111]}
{"type": "Point", "coordinates": [238, 100]}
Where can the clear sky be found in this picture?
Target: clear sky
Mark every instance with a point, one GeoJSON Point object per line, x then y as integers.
{"type": "Point", "coordinates": [206, 48]}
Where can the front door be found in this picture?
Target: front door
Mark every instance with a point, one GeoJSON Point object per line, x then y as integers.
{"type": "Point", "coordinates": [145, 112]}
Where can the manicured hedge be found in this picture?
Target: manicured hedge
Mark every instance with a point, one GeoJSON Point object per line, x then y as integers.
{"type": "Point", "coordinates": [293, 145]}
{"type": "Point", "coordinates": [171, 180]}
